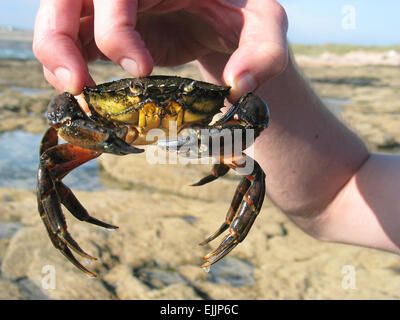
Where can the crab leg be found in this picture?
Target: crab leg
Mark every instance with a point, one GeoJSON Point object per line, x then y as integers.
{"type": "Point", "coordinates": [248, 197]}
{"type": "Point", "coordinates": [72, 160]}
{"type": "Point", "coordinates": [50, 139]}
{"type": "Point", "coordinates": [59, 244]}
{"type": "Point", "coordinates": [73, 205]}
{"type": "Point", "coordinates": [54, 221]}
{"type": "Point", "coordinates": [55, 162]}
{"type": "Point", "coordinates": [244, 216]}
{"type": "Point", "coordinates": [237, 199]}
{"type": "Point", "coordinates": [218, 170]}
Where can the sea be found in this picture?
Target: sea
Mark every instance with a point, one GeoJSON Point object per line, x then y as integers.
{"type": "Point", "coordinates": [16, 44]}
{"type": "Point", "coordinates": [19, 149]}
{"type": "Point", "coordinates": [16, 50]}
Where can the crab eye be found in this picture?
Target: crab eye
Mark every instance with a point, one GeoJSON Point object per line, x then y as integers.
{"type": "Point", "coordinates": [135, 88]}
{"type": "Point", "coordinates": [190, 87]}
{"type": "Point", "coordinates": [67, 121]}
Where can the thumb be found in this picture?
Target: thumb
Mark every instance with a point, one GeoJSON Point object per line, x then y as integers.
{"type": "Point", "coordinates": [262, 52]}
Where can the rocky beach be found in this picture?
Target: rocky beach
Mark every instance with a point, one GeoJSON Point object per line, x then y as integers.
{"type": "Point", "coordinates": [155, 253]}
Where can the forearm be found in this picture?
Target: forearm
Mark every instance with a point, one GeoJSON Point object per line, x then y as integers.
{"type": "Point", "coordinates": [367, 210]}
{"type": "Point", "coordinates": [318, 171]}
{"type": "Point", "coordinates": [321, 174]}
{"type": "Point", "coordinates": [307, 154]}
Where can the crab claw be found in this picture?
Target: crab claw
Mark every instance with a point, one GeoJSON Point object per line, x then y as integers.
{"type": "Point", "coordinates": [89, 135]}
{"type": "Point", "coordinates": [118, 146]}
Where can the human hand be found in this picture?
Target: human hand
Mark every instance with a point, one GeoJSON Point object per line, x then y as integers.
{"type": "Point", "coordinates": [249, 35]}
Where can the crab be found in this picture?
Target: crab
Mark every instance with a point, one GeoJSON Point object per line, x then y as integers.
{"type": "Point", "coordinates": [119, 116]}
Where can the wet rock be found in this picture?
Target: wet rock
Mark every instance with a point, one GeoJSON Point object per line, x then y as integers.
{"type": "Point", "coordinates": [158, 278]}
{"type": "Point", "coordinates": [155, 254]}
{"type": "Point", "coordinates": [9, 290]}
{"type": "Point", "coordinates": [233, 272]}
{"type": "Point", "coordinates": [30, 256]}
{"type": "Point", "coordinates": [8, 229]}
{"type": "Point", "coordinates": [177, 291]}
{"type": "Point", "coordinates": [138, 172]}
{"type": "Point", "coordinates": [125, 284]}
{"type": "Point", "coordinates": [21, 252]}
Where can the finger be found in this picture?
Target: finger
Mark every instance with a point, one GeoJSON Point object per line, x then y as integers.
{"type": "Point", "coordinates": [89, 49]}
{"type": "Point", "coordinates": [212, 66]}
{"type": "Point", "coordinates": [56, 83]}
{"type": "Point", "coordinates": [86, 30]}
{"type": "Point", "coordinates": [116, 37]}
{"type": "Point", "coordinates": [93, 53]}
{"type": "Point", "coordinates": [87, 8]}
{"type": "Point", "coordinates": [55, 44]}
{"type": "Point", "coordinates": [262, 52]}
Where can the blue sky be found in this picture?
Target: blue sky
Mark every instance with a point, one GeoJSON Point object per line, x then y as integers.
{"type": "Point", "coordinates": [318, 21]}
{"type": "Point", "coordinates": [363, 22]}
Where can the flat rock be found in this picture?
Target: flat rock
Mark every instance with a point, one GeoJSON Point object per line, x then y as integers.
{"type": "Point", "coordinates": [154, 255]}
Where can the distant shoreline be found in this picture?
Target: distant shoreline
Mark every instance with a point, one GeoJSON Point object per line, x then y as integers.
{"type": "Point", "coordinates": [16, 35]}
{"type": "Point", "coordinates": [19, 42]}
{"type": "Point", "coordinates": [338, 48]}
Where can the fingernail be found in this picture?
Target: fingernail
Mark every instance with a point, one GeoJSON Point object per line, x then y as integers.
{"type": "Point", "coordinates": [130, 66]}
{"type": "Point", "coordinates": [80, 98]}
{"type": "Point", "coordinates": [64, 76]}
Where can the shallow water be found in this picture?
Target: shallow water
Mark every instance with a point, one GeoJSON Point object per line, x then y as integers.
{"type": "Point", "coordinates": [335, 104]}
{"type": "Point", "coordinates": [158, 278]}
{"type": "Point", "coordinates": [15, 53]}
{"type": "Point", "coordinates": [337, 101]}
{"type": "Point", "coordinates": [232, 271]}
{"type": "Point", "coordinates": [8, 229]}
{"type": "Point", "coordinates": [28, 91]}
{"type": "Point", "coordinates": [228, 271]}
{"type": "Point", "coordinates": [16, 50]}
{"type": "Point", "coordinates": [19, 160]}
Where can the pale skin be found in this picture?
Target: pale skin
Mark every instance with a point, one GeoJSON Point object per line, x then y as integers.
{"type": "Point", "coordinates": [319, 173]}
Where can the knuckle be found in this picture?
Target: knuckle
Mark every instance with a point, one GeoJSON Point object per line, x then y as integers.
{"type": "Point", "coordinates": [109, 39]}
{"type": "Point", "coordinates": [103, 40]}
{"type": "Point", "coordinates": [39, 47]}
